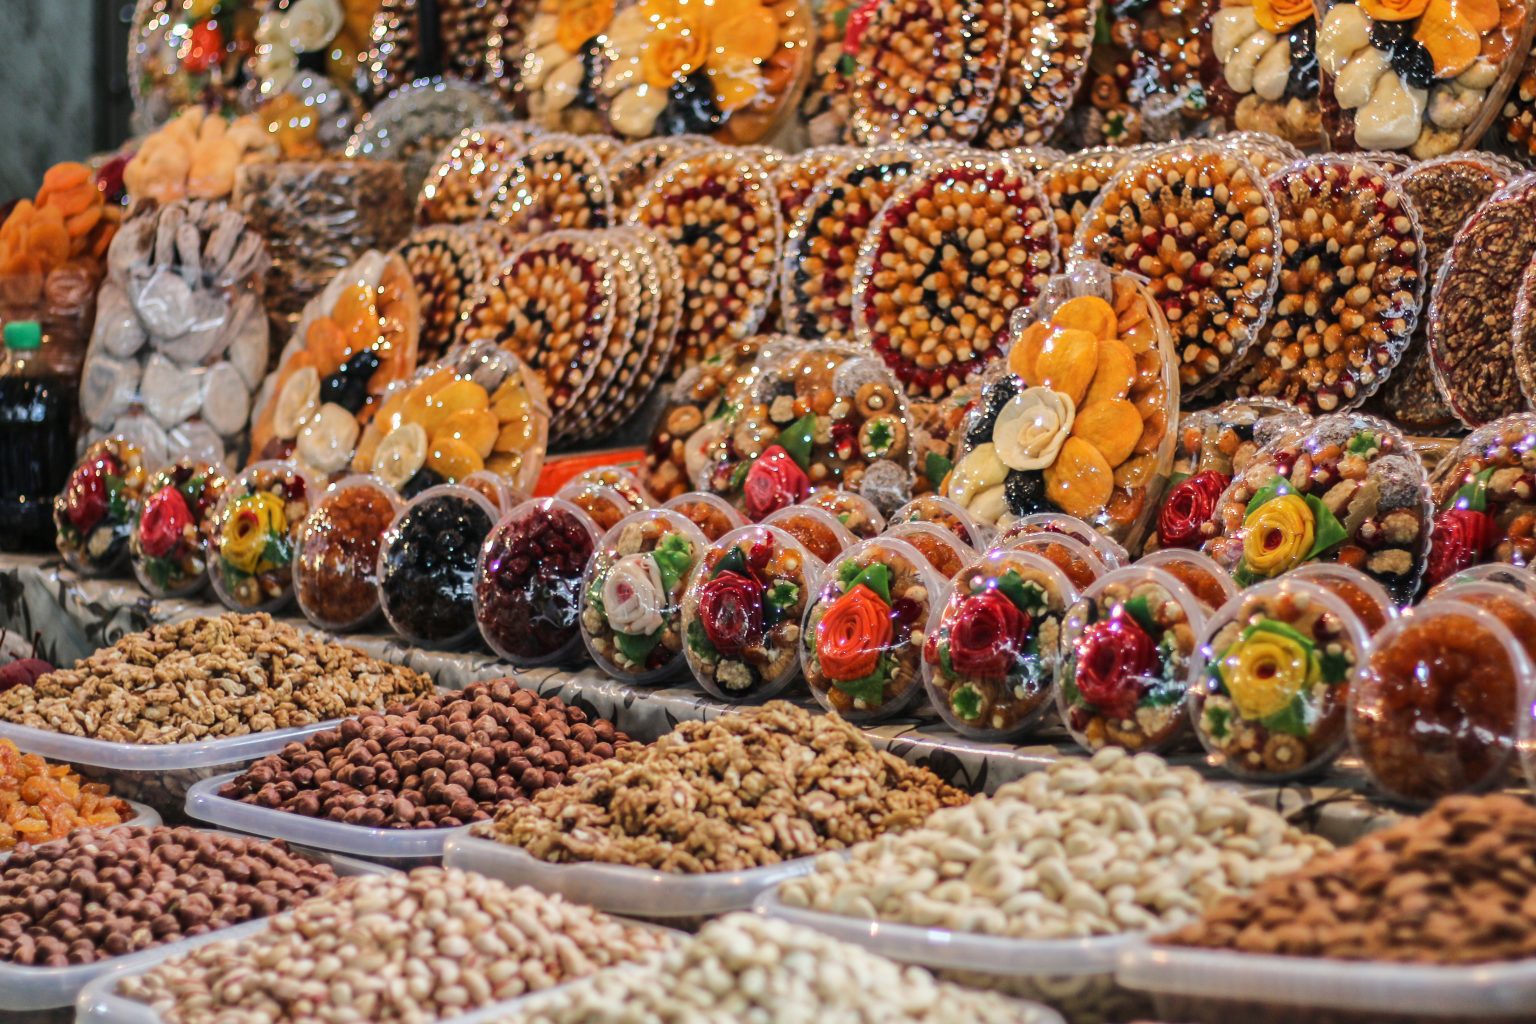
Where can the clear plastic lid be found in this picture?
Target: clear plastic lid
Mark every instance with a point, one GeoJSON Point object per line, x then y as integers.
{"type": "Point", "coordinates": [1516, 609]}
{"type": "Point", "coordinates": [336, 552]}
{"type": "Point", "coordinates": [96, 511]}
{"type": "Point", "coordinates": [947, 553]}
{"type": "Point", "coordinates": [1258, 71]}
{"type": "Point", "coordinates": [1485, 499]}
{"type": "Point", "coordinates": [632, 595]}
{"type": "Point", "coordinates": [1111, 554]}
{"type": "Point", "coordinates": [604, 505]}
{"type": "Point", "coordinates": [493, 487]}
{"type": "Point", "coordinates": [1441, 703]}
{"type": "Point", "coordinates": [1209, 582]}
{"type": "Point", "coordinates": [255, 526]}
{"type": "Point", "coordinates": [631, 170]}
{"type": "Point", "coordinates": [993, 647]}
{"type": "Point", "coordinates": [528, 585]}
{"type": "Point", "coordinates": [742, 612]}
{"type": "Point", "coordinates": [1216, 305]}
{"type": "Point", "coordinates": [468, 172]}
{"type": "Point", "coordinates": [1369, 601]}
{"type": "Point", "coordinates": [416, 120]}
{"type": "Point", "coordinates": [1083, 421]}
{"type": "Point", "coordinates": [796, 177]}
{"type": "Point", "coordinates": [1348, 490]}
{"type": "Point", "coordinates": [624, 482]}
{"type": "Point", "coordinates": [557, 182]}
{"type": "Point", "coordinates": [446, 264]}
{"type": "Point", "coordinates": [947, 513]}
{"type": "Point", "coordinates": [1270, 679]}
{"type": "Point", "coordinates": [641, 366]}
{"type": "Point", "coordinates": [428, 563]}
{"type": "Point", "coordinates": [814, 527]}
{"type": "Point", "coordinates": [864, 630]}
{"type": "Point", "coordinates": [1127, 647]}
{"type": "Point", "coordinates": [1072, 183]}
{"type": "Point", "coordinates": [171, 537]}
{"type": "Point", "coordinates": [1523, 580]}
{"type": "Point", "coordinates": [713, 515]}
{"type": "Point", "coordinates": [1045, 63]}
{"type": "Point", "coordinates": [858, 514]}
{"type": "Point", "coordinates": [1080, 563]}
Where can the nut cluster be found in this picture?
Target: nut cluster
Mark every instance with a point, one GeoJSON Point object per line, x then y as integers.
{"type": "Point", "coordinates": [205, 678]}
{"type": "Point", "coordinates": [751, 789]}
{"type": "Point", "coordinates": [445, 264]}
{"type": "Point", "coordinates": [556, 182]}
{"type": "Point", "coordinates": [1116, 844]}
{"type": "Point", "coordinates": [101, 894]}
{"type": "Point", "coordinates": [417, 947]}
{"type": "Point", "coordinates": [1047, 58]}
{"type": "Point", "coordinates": [468, 172]}
{"type": "Point", "coordinates": [441, 762]}
{"type": "Point", "coordinates": [1450, 887]}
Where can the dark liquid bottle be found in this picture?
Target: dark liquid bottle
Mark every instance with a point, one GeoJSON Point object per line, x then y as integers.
{"type": "Point", "coordinates": [37, 409]}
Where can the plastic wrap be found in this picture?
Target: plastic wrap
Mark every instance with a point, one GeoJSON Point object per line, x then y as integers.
{"type": "Point", "coordinates": [289, 36]}
{"type": "Point", "coordinates": [173, 531]}
{"type": "Point", "coordinates": [713, 515]}
{"type": "Point", "coordinates": [100, 505]}
{"type": "Point", "coordinates": [858, 514]}
{"type": "Point", "coordinates": [1072, 183]}
{"type": "Point", "coordinates": [632, 168]}
{"type": "Point", "coordinates": [1425, 77]}
{"type": "Point", "coordinates": [632, 595]}
{"type": "Point", "coordinates": [865, 628]}
{"type": "Point", "coordinates": [1259, 69]}
{"type": "Point", "coordinates": [528, 588]}
{"type": "Point", "coordinates": [1438, 707]}
{"type": "Point", "coordinates": [336, 553]}
{"type": "Point", "coordinates": [945, 513]}
{"type": "Point", "coordinates": [415, 122]}
{"type": "Point", "coordinates": [1110, 554]}
{"type": "Point", "coordinates": [1083, 423]}
{"type": "Point", "coordinates": [991, 657]}
{"type": "Point", "coordinates": [428, 561]}
{"type": "Point", "coordinates": [742, 611]}
{"type": "Point", "coordinates": [1511, 131]}
{"type": "Point", "coordinates": [1349, 490]}
{"type": "Point", "coordinates": [309, 116]}
{"type": "Point", "coordinates": [181, 56]}
{"type": "Point", "coordinates": [945, 552]}
{"type": "Point", "coordinates": [1079, 562]}
{"type": "Point", "coordinates": [468, 172]}
{"type": "Point", "coordinates": [988, 226]}
{"type": "Point", "coordinates": [1269, 683]}
{"type": "Point", "coordinates": [718, 211]}
{"type": "Point", "coordinates": [1484, 497]}
{"type": "Point", "coordinates": [435, 427]}
{"type": "Point", "coordinates": [1212, 585]}
{"type": "Point", "coordinates": [556, 181]}
{"type": "Point", "coordinates": [254, 528]}
{"type": "Point", "coordinates": [195, 155]}
{"type": "Point", "coordinates": [446, 265]}
{"type": "Point", "coordinates": [1044, 66]}
{"type": "Point", "coordinates": [1352, 282]}
{"type": "Point", "coordinates": [796, 177]}
{"type": "Point", "coordinates": [468, 40]}
{"type": "Point", "coordinates": [927, 69]}
{"type": "Point", "coordinates": [1144, 77]}
{"type": "Point", "coordinates": [1216, 306]}
{"type": "Point", "coordinates": [1127, 647]}
{"type": "Point", "coordinates": [815, 528]}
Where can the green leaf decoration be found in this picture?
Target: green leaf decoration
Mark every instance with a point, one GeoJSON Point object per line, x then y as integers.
{"type": "Point", "coordinates": [278, 551]}
{"type": "Point", "coordinates": [1363, 443]}
{"type": "Point", "coordinates": [1101, 36]}
{"type": "Point", "coordinates": [879, 438]}
{"type": "Point", "coordinates": [871, 688]}
{"type": "Point", "coordinates": [673, 558]}
{"type": "Point", "coordinates": [1174, 479]}
{"type": "Point", "coordinates": [945, 661]}
{"type": "Point", "coordinates": [777, 600]}
{"type": "Point", "coordinates": [1327, 531]}
{"type": "Point", "coordinates": [1138, 609]}
{"type": "Point", "coordinates": [1291, 720]}
{"type": "Point", "coordinates": [638, 648]}
{"type": "Point", "coordinates": [1269, 492]}
{"type": "Point", "coordinates": [726, 410]}
{"type": "Point", "coordinates": [1281, 629]}
{"type": "Point", "coordinates": [936, 467]}
{"type": "Point", "coordinates": [797, 439]}
{"type": "Point", "coordinates": [1218, 720]}
{"type": "Point", "coordinates": [1335, 667]}
{"type": "Point", "coordinates": [192, 488]}
{"type": "Point", "coordinates": [847, 572]}
{"type": "Point", "coordinates": [1473, 495]}
{"type": "Point", "coordinates": [876, 577]}
{"type": "Point", "coordinates": [698, 641]}
{"type": "Point", "coordinates": [1026, 595]}
{"type": "Point", "coordinates": [734, 560]}
{"type": "Point", "coordinates": [159, 570]}
{"type": "Point", "coordinates": [117, 505]}
{"type": "Point", "coordinates": [1243, 576]}
{"type": "Point", "coordinates": [739, 476]}
{"type": "Point", "coordinates": [966, 703]}
{"type": "Point", "coordinates": [846, 65]}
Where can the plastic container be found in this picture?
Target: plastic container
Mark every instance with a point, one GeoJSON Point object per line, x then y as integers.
{"type": "Point", "coordinates": [865, 628]}
{"type": "Point", "coordinates": [1440, 704]}
{"type": "Point", "coordinates": [97, 508]}
{"type": "Point", "coordinates": [990, 661]}
{"type": "Point", "coordinates": [1485, 504]}
{"type": "Point", "coordinates": [1208, 987]}
{"type": "Point", "coordinates": [1112, 554]}
{"type": "Point", "coordinates": [1127, 648]}
{"type": "Point", "coordinates": [602, 504]}
{"type": "Point", "coordinates": [816, 528]}
{"type": "Point", "coordinates": [624, 482]}
{"type": "Point", "coordinates": [1080, 563]}
{"type": "Point", "coordinates": [173, 532]}
{"type": "Point", "coordinates": [742, 610]}
{"type": "Point", "coordinates": [943, 550]}
{"type": "Point", "coordinates": [493, 487]}
{"type": "Point", "coordinates": [529, 583]}
{"type": "Point", "coordinates": [336, 556]}
{"type": "Point", "coordinates": [632, 595]}
{"type": "Point", "coordinates": [143, 815]}
{"type": "Point", "coordinates": [1515, 609]}
{"type": "Point", "coordinates": [713, 515]}
{"type": "Point", "coordinates": [428, 560]}
{"type": "Point", "coordinates": [254, 528]}
{"type": "Point", "coordinates": [1269, 680]}
{"type": "Point", "coordinates": [941, 511]}
{"type": "Point", "coordinates": [618, 889]}
{"type": "Point", "coordinates": [1210, 583]}
{"type": "Point", "coordinates": [1369, 601]}
{"type": "Point", "coordinates": [1520, 578]}
{"type": "Point", "coordinates": [858, 514]}
{"type": "Point", "coordinates": [38, 382]}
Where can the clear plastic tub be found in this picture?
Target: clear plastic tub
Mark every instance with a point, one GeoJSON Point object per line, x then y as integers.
{"type": "Point", "coordinates": [143, 814]}
{"type": "Point", "coordinates": [1206, 579]}
{"type": "Point", "coordinates": [254, 527]}
{"type": "Point", "coordinates": [1111, 552]}
{"type": "Point", "coordinates": [437, 608]}
{"type": "Point", "coordinates": [618, 889]}
{"type": "Point", "coordinates": [945, 512]}
{"type": "Point", "coordinates": [171, 531]}
{"type": "Point", "coordinates": [399, 847]}
{"type": "Point", "coordinates": [99, 505]}
{"type": "Point", "coordinates": [857, 513]}
{"type": "Point", "coordinates": [947, 553]}
{"type": "Point", "coordinates": [816, 528]}
{"type": "Point", "coordinates": [1080, 562]}
{"type": "Point", "coordinates": [1519, 577]}
{"type": "Point", "coordinates": [713, 515]}
{"type": "Point", "coordinates": [528, 584]}
{"type": "Point", "coordinates": [605, 505]}
{"type": "Point", "coordinates": [741, 613]}
{"type": "Point", "coordinates": [336, 552]}
{"type": "Point", "coordinates": [1368, 599]}
{"type": "Point", "coordinates": [493, 487]}
{"type": "Point", "coordinates": [1209, 987]}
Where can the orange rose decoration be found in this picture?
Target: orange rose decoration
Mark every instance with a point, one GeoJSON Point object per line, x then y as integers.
{"type": "Point", "coordinates": [676, 49]}
{"type": "Point", "coordinates": [580, 20]}
{"type": "Point", "coordinates": [1389, 10]}
{"type": "Point", "coordinates": [1280, 16]}
{"type": "Point", "coordinates": [853, 633]}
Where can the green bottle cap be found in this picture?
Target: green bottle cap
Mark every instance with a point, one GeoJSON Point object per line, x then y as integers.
{"type": "Point", "coordinates": [23, 334]}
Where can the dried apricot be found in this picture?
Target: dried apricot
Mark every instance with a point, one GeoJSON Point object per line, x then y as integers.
{"type": "Point", "coordinates": [1087, 313]}
{"type": "Point", "coordinates": [1080, 481]}
{"type": "Point", "coordinates": [1068, 361]}
{"type": "Point", "coordinates": [1112, 425]}
{"type": "Point", "coordinates": [453, 459]}
{"type": "Point", "coordinates": [1115, 374]}
{"type": "Point", "coordinates": [477, 428]}
{"type": "Point", "coordinates": [1026, 351]}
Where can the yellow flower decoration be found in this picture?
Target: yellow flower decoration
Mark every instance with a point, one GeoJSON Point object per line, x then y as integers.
{"type": "Point", "coordinates": [1264, 672]}
{"type": "Point", "coordinates": [1280, 533]}
{"type": "Point", "coordinates": [676, 49]}
{"type": "Point", "coordinates": [1279, 16]}
{"type": "Point", "coordinates": [580, 20]}
{"type": "Point", "coordinates": [254, 520]}
{"type": "Point", "coordinates": [201, 9]}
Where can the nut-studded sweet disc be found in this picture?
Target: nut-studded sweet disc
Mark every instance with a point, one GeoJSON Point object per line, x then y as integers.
{"type": "Point", "coordinates": [955, 250]}
{"type": "Point", "coordinates": [468, 173]}
{"type": "Point", "coordinates": [1198, 223]}
{"type": "Point", "coordinates": [1352, 279]}
{"type": "Point", "coordinates": [822, 250]}
{"type": "Point", "coordinates": [1047, 59]}
{"type": "Point", "coordinates": [1072, 183]}
{"type": "Point", "coordinates": [718, 211]}
{"type": "Point", "coordinates": [552, 305]}
{"type": "Point", "coordinates": [928, 69]}
{"type": "Point", "coordinates": [1034, 159]}
{"type": "Point", "coordinates": [649, 367]}
{"type": "Point", "coordinates": [632, 168]}
{"type": "Point", "coordinates": [1268, 153]}
{"type": "Point", "coordinates": [445, 265]}
{"type": "Point", "coordinates": [633, 312]}
{"type": "Point", "coordinates": [557, 182]}
{"type": "Point", "coordinates": [796, 177]}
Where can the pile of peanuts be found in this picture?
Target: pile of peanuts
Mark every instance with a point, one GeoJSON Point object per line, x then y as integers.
{"type": "Point", "coordinates": [408, 948]}
{"type": "Point", "coordinates": [751, 789]}
{"type": "Point", "coordinates": [438, 763]}
{"type": "Point", "coordinates": [1115, 844]}
{"type": "Point", "coordinates": [1451, 887]}
{"type": "Point", "coordinates": [100, 894]}
{"type": "Point", "coordinates": [206, 678]}
{"type": "Point", "coordinates": [748, 968]}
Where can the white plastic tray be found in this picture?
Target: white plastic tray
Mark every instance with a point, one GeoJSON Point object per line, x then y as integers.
{"type": "Point", "coordinates": [627, 891]}
{"type": "Point", "coordinates": [45, 988]}
{"type": "Point", "coordinates": [142, 815]}
{"type": "Point", "coordinates": [393, 844]}
{"type": "Point", "coordinates": [1298, 989]}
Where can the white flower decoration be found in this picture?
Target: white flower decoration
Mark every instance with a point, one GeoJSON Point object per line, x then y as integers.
{"type": "Point", "coordinates": [310, 24]}
{"type": "Point", "coordinates": [1032, 428]}
{"type": "Point", "coordinates": [633, 596]}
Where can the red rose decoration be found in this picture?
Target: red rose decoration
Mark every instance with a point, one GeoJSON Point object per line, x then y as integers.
{"type": "Point", "coordinates": [163, 521]}
{"type": "Point", "coordinates": [731, 612]}
{"type": "Point", "coordinates": [1460, 538]}
{"type": "Point", "coordinates": [85, 499]}
{"type": "Point", "coordinates": [1111, 654]}
{"type": "Point", "coordinates": [857, 24]}
{"type": "Point", "coordinates": [204, 48]}
{"type": "Point", "coordinates": [987, 633]}
{"type": "Point", "coordinates": [1190, 506]}
{"type": "Point", "coordinates": [775, 481]}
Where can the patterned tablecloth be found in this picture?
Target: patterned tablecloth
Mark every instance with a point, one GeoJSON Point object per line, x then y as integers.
{"type": "Point", "coordinates": [70, 616]}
